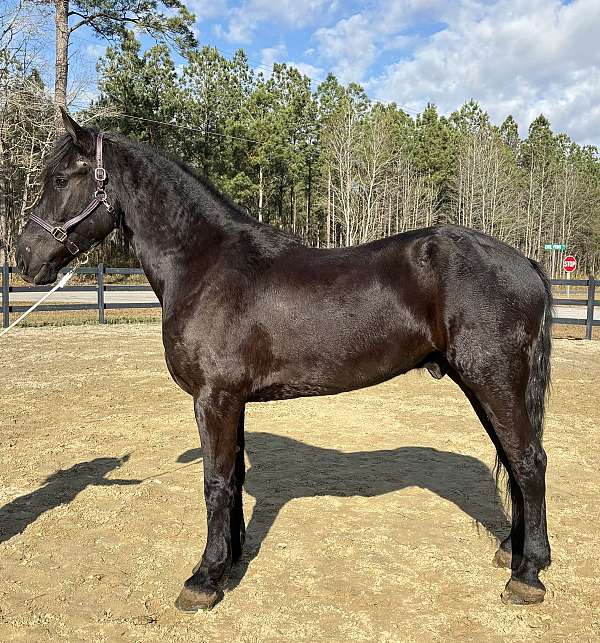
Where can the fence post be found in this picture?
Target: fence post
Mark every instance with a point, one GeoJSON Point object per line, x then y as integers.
{"type": "Point", "coordinates": [101, 319]}
{"type": "Point", "coordinates": [591, 295]}
{"type": "Point", "coordinates": [5, 291]}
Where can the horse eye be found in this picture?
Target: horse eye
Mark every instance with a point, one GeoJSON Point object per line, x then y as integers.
{"type": "Point", "coordinates": [60, 182]}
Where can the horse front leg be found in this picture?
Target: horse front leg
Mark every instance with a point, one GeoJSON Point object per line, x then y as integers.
{"type": "Point", "coordinates": [218, 415]}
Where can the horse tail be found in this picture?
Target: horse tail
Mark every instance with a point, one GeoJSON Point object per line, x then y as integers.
{"type": "Point", "coordinates": [539, 360]}
{"type": "Point", "coordinates": [539, 376]}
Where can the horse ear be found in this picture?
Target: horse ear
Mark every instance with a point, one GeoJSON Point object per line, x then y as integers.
{"type": "Point", "coordinates": [82, 137]}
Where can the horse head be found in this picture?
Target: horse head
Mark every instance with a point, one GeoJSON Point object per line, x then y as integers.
{"type": "Point", "coordinates": [74, 211]}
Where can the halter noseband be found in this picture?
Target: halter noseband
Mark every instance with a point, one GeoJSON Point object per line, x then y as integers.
{"type": "Point", "coordinates": [60, 232]}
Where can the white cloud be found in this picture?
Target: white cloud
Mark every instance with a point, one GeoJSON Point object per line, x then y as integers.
{"type": "Point", "coordinates": [316, 74]}
{"type": "Point", "coordinates": [353, 44]}
{"type": "Point", "coordinates": [350, 44]}
{"type": "Point", "coordinates": [205, 9]}
{"type": "Point", "coordinates": [513, 56]}
{"type": "Point", "coordinates": [270, 55]}
{"type": "Point", "coordinates": [243, 20]}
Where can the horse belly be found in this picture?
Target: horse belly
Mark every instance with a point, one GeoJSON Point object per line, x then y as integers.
{"type": "Point", "coordinates": [326, 364]}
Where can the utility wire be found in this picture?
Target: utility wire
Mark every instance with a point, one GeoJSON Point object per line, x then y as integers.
{"type": "Point", "coordinates": [176, 125]}
{"type": "Point", "coordinates": [188, 127]}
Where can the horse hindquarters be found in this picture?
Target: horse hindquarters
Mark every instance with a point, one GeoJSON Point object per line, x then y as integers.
{"type": "Point", "coordinates": [505, 375]}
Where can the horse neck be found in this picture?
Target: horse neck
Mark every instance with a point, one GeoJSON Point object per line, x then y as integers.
{"type": "Point", "coordinates": [173, 220]}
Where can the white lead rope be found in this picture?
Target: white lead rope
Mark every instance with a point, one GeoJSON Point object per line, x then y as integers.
{"type": "Point", "coordinates": [60, 284]}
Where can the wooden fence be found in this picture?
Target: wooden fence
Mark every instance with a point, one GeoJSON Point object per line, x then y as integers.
{"type": "Point", "coordinates": [101, 287]}
{"type": "Point", "coordinates": [590, 302]}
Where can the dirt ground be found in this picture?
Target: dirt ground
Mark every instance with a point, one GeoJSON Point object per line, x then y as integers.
{"type": "Point", "coordinates": [371, 515]}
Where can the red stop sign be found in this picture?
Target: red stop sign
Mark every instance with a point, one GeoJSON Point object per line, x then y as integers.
{"type": "Point", "coordinates": [569, 263]}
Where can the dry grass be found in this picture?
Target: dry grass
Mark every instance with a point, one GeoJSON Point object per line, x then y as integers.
{"type": "Point", "coordinates": [81, 317]}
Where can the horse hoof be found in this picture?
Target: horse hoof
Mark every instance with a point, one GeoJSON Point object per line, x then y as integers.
{"type": "Point", "coordinates": [518, 593]}
{"type": "Point", "coordinates": [192, 601]}
{"type": "Point", "coordinates": [502, 558]}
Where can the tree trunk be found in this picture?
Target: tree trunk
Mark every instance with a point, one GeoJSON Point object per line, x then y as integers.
{"type": "Point", "coordinates": [62, 57]}
{"type": "Point", "coordinates": [260, 193]}
{"type": "Point", "coordinates": [309, 204]}
{"type": "Point", "coordinates": [280, 203]}
{"type": "Point", "coordinates": [328, 237]}
{"type": "Point", "coordinates": [4, 219]}
{"type": "Point", "coordinates": [293, 206]}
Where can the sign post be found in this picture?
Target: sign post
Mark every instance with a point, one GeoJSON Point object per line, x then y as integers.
{"type": "Point", "coordinates": [560, 247]}
{"type": "Point", "coordinates": [569, 265]}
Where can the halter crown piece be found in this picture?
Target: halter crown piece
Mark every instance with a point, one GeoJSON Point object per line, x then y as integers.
{"type": "Point", "coordinates": [60, 232]}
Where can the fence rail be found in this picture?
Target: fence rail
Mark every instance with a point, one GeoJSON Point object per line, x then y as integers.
{"type": "Point", "coordinates": [101, 288]}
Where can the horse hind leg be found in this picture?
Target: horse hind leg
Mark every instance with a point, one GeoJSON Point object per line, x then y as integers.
{"type": "Point", "coordinates": [503, 556]}
{"type": "Point", "coordinates": [530, 546]}
{"type": "Point", "coordinates": [521, 452]}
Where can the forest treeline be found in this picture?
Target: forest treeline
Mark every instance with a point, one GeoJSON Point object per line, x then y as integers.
{"type": "Point", "coordinates": [326, 163]}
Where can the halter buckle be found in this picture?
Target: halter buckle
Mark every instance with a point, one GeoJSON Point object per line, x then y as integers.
{"type": "Point", "coordinates": [100, 174]}
{"type": "Point", "coordinates": [60, 234]}
{"type": "Point", "coordinates": [72, 247]}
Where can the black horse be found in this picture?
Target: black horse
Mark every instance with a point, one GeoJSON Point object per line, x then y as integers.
{"type": "Point", "coordinates": [251, 314]}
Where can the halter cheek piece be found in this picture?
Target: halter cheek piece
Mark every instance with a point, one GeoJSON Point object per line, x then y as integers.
{"type": "Point", "coordinates": [60, 232]}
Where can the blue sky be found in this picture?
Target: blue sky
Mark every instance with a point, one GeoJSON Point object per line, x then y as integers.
{"type": "Point", "coordinates": [521, 57]}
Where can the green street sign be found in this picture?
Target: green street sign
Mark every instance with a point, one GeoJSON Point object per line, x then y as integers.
{"type": "Point", "coordinates": [555, 246]}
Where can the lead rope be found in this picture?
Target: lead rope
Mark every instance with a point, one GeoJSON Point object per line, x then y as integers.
{"type": "Point", "coordinates": [60, 284]}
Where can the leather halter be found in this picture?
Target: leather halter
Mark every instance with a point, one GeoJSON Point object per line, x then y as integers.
{"type": "Point", "coordinates": [60, 232]}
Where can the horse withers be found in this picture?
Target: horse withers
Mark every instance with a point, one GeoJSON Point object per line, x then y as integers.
{"type": "Point", "coordinates": [251, 314]}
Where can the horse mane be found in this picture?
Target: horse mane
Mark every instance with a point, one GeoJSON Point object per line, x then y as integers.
{"type": "Point", "coordinates": [64, 146]}
{"type": "Point", "coordinates": [233, 208]}
{"type": "Point", "coordinates": [202, 178]}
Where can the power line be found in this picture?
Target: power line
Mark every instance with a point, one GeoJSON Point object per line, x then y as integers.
{"type": "Point", "coordinates": [178, 126]}
{"type": "Point", "coordinates": [408, 109]}
{"type": "Point", "coordinates": [188, 127]}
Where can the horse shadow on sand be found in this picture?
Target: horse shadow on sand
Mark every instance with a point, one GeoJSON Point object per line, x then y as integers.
{"type": "Point", "coordinates": [282, 469]}
{"type": "Point", "coordinates": [58, 489]}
